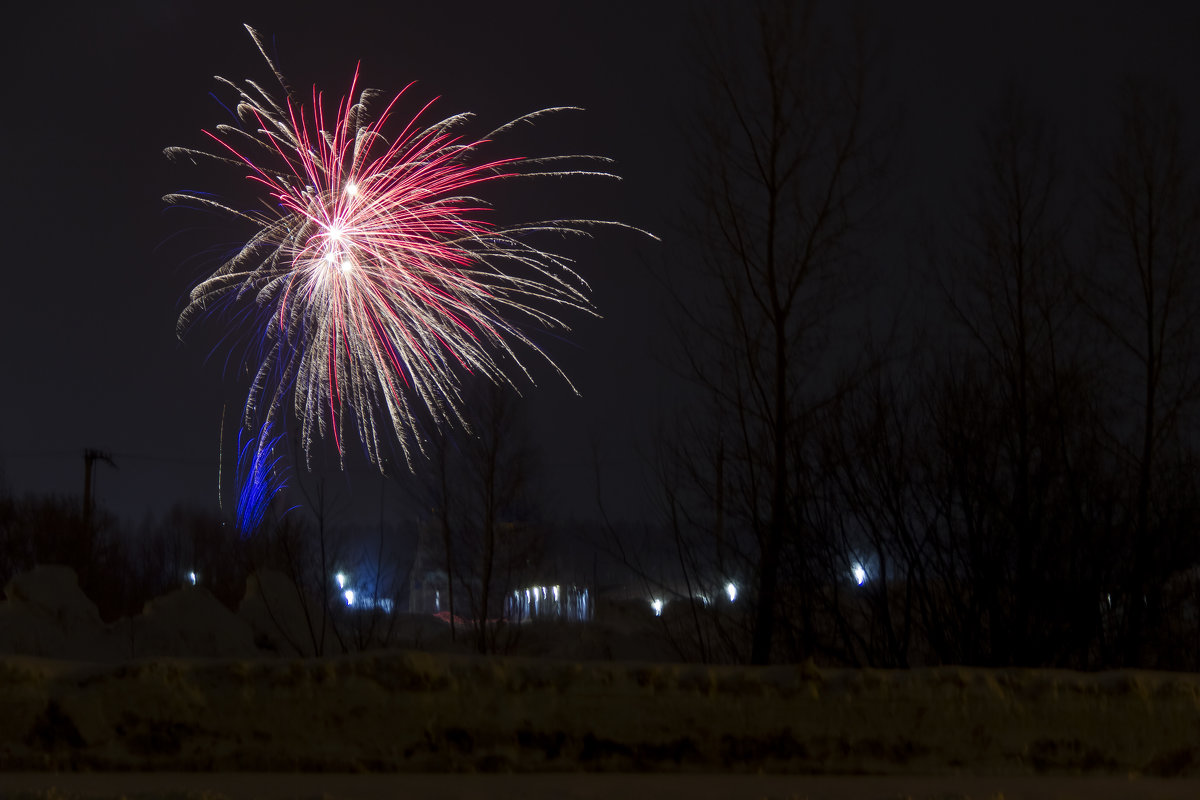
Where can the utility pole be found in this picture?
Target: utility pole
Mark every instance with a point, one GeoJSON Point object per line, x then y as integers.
{"type": "Point", "coordinates": [91, 455]}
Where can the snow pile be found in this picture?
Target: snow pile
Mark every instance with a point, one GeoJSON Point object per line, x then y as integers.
{"type": "Point", "coordinates": [189, 622]}
{"type": "Point", "coordinates": [46, 613]}
{"type": "Point", "coordinates": [422, 712]}
{"type": "Point", "coordinates": [183, 686]}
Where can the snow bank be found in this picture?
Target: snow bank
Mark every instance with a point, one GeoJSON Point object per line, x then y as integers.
{"type": "Point", "coordinates": [46, 613]}
{"type": "Point", "coordinates": [183, 686]}
{"type": "Point", "coordinates": [190, 622]}
{"type": "Point", "coordinates": [421, 712]}
{"type": "Point", "coordinates": [582, 786]}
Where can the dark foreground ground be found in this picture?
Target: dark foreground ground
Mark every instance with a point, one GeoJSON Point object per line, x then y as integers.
{"type": "Point", "coordinates": [583, 786]}
{"type": "Point", "coordinates": [413, 712]}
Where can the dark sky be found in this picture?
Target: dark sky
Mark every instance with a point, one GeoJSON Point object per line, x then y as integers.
{"type": "Point", "coordinates": [95, 270]}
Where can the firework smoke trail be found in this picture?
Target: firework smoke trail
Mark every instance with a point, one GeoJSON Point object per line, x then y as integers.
{"type": "Point", "coordinates": [384, 282]}
{"type": "Point", "coordinates": [260, 477]}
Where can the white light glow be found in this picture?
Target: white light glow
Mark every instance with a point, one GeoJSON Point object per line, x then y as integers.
{"type": "Point", "coordinates": [860, 574]}
{"type": "Point", "coordinates": [657, 605]}
{"type": "Point", "coordinates": [731, 590]}
{"type": "Point", "coordinates": [368, 602]}
{"type": "Point", "coordinates": [341, 580]}
{"type": "Point", "coordinates": [192, 578]}
{"type": "Point", "coordinates": [351, 188]}
{"type": "Point", "coordinates": [349, 595]}
{"type": "Point", "coordinates": [549, 601]}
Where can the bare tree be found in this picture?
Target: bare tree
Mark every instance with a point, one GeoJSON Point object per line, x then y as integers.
{"type": "Point", "coordinates": [306, 551]}
{"type": "Point", "coordinates": [1147, 297]}
{"type": "Point", "coordinates": [1012, 290]}
{"type": "Point", "coordinates": [479, 494]}
{"type": "Point", "coordinates": [787, 172]}
{"type": "Point", "coordinates": [871, 446]}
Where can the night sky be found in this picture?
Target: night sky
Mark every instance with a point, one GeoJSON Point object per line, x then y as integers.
{"type": "Point", "coordinates": [96, 269]}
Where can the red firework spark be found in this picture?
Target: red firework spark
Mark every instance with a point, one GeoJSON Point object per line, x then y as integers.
{"type": "Point", "coordinates": [384, 282]}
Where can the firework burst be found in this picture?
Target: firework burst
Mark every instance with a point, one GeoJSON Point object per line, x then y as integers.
{"type": "Point", "coordinates": [376, 279]}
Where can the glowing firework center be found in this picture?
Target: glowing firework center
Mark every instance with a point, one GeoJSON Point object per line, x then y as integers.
{"type": "Point", "coordinates": [383, 283]}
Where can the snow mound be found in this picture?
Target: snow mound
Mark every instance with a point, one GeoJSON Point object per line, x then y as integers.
{"type": "Point", "coordinates": [47, 614]}
{"type": "Point", "coordinates": [199, 695]}
{"type": "Point", "coordinates": [54, 590]}
{"type": "Point", "coordinates": [399, 711]}
{"type": "Point", "coordinates": [190, 622]}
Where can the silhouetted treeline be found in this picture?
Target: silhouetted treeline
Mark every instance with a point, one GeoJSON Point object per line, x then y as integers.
{"type": "Point", "coordinates": [122, 566]}
{"type": "Point", "coordinates": [1009, 478]}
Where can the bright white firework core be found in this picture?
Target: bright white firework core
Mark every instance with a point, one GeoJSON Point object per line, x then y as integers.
{"type": "Point", "coordinates": [429, 286]}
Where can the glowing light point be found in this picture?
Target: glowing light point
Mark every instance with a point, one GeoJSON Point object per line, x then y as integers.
{"type": "Point", "coordinates": [341, 580]}
{"type": "Point", "coordinates": [657, 605]}
{"type": "Point", "coordinates": [860, 574]}
{"type": "Point", "coordinates": [192, 578]}
{"type": "Point", "coordinates": [351, 188]}
{"type": "Point", "coordinates": [349, 595]}
{"type": "Point", "coordinates": [731, 590]}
